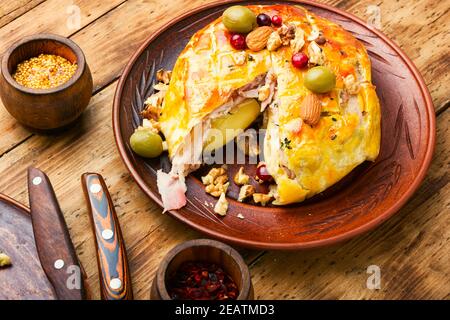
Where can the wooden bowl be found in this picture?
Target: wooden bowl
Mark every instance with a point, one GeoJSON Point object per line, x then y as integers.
{"type": "Point", "coordinates": [368, 196]}
{"type": "Point", "coordinates": [203, 250]}
{"type": "Point", "coordinates": [45, 109]}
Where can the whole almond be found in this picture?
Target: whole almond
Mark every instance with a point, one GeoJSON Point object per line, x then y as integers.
{"type": "Point", "coordinates": [257, 39]}
{"type": "Point", "coordinates": [310, 109]}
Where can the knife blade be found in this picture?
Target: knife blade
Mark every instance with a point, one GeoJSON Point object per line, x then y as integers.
{"type": "Point", "coordinates": [55, 248]}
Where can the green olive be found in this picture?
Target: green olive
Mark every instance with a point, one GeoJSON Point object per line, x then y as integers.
{"type": "Point", "coordinates": [239, 19]}
{"type": "Point", "coordinates": [146, 143]}
{"type": "Point", "coordinates": [320, 79]}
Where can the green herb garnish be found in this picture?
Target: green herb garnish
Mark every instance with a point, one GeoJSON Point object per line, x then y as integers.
{"type": "Point", "coordinates": [286, 143]}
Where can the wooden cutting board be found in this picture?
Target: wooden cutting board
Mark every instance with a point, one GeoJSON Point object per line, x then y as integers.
{"type": "Point", "coordinates": [24, 279]}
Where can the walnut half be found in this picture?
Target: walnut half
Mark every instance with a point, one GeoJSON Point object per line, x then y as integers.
{"type": "Point", "coordinates": [299, 41]}
{"type": "Point", "coordinates": [351, 84]}
{"type": "Point", "coordinates": [151, 125]}
{"type": "Point", "coordinates": [163, 76]}
{"type": "Point", "coordinates": [315, 54]}
{"type": "Point", "coordinates": [241, 178]}
{"type": "Point", "coordinates": [221, 206]}
{"type": "Point", "coordinates": [216, 181]}
{"type": "Point", "coordinates": [262, 198]}
{"type": "Point", "coordinates": [287, 33]}
{"type": "Point", "coordinates": [245, 192]}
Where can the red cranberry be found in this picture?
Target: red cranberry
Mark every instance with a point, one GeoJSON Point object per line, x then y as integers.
{"type": "Point", "coordinates": [299, 60]}
{"type": "Point", "coordinates": [238, 41]}
{"type": "Point", "coordinates": [263, 20]}
{"type": "Point", "coordinates": [277, 21]}
{"type": "Point", "coordinates": [263, 174]}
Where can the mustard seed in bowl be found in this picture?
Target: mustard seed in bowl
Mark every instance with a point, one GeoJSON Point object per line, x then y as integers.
{"type": "Point", "coordinates": [44, 72]}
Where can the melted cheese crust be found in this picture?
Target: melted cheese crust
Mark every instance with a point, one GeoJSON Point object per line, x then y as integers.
{"type": "Point", "coordinates": [205, 76]}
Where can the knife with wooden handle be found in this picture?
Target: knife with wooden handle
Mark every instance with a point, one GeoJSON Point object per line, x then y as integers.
{"type": "Point", "coordinates": [54, 246]}
{"type": "Point", "coordinates": [114, 274]}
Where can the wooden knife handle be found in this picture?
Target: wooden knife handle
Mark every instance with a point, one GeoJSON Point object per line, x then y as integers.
{"type": "Point", "coordinates": [53, 243]}
{"type": "Point", "coordinates": [115, 282]}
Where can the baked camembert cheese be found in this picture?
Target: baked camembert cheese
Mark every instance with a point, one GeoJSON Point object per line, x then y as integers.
{"type": "Point", "coordinates": [309, 77]}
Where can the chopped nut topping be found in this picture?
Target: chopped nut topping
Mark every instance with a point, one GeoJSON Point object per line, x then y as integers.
{"type": "Point", "coordinates": [287, 33]}
{"type": "Point", "coordinates": [241, 178]}
{"type": "Point", "coordinates": [263, 93]}
{"type": "Point", "coordinates": [216, 181]}
{"type": "Point", "coordinates": [151, 124]}
{"type": "Point", "coordinates": [161, 87]}
{"type": "Point", "coordinates": [299, 41]}
{"type": "Point", "coordinates": [153, 105]}
{"type": "Point", "coordinates": [5, 260]}
{"type": "Point", "coordinates": [240, 58]}
{"type": "Point", "coordinates": [262, 198]}
{"type": "Point", "coordinates": [245, 192]}
{"type": "Point", "coordinates": [294, 125]}
{"type": "Point", "coordinates": [274, 41]}
{"type": "Point", "coordinates": [351, 84]}
{"type": "Point", "coordinates": [216, 189]}
{"type": "Point", "coordinates": [212, 175]}
{"type": "Point", "coordinates": [151, 112]}
{"type": "Point", "coordinates": [315, 33]}
{"type": "Point", "coordinates": [155, 99]}
{"type": "Point", "coordinates": [315, 54]}
{"type": "Point", "coordinates": [221, 206]}
{"type": "Point", "coordinates": [163, 76]}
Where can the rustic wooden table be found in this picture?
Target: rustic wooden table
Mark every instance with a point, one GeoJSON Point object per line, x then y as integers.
{"type": "Point", "coordinates": [411, 249]}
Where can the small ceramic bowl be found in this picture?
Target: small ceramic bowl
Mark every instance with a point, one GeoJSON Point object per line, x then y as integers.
{"type": "Point", "coordinates": [45, 109]}
{"type": "Point", "coordinates": [203, 250]}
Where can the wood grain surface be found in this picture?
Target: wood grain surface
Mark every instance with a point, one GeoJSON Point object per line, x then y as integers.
{"type": "Point", "coordinates": [411, 249]}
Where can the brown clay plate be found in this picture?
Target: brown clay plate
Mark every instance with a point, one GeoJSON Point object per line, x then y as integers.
{"type": "Point", "coordinates": [368, 196]}
{"type": "Point", "coordinates": [24, 279]}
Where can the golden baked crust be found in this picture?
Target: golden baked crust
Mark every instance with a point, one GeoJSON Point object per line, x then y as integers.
{"type": "Point", "coordinates": [303, 162]}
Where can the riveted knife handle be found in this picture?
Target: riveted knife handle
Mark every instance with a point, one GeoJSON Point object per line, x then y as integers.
{"type": "Point", "coordinates": [54, 246]}
{"type": "Point", "coordinates": [114, 274]}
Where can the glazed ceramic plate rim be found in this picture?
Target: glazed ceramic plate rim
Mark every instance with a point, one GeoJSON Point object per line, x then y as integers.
{"type": "Point", "coordinates": [281, 245]}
